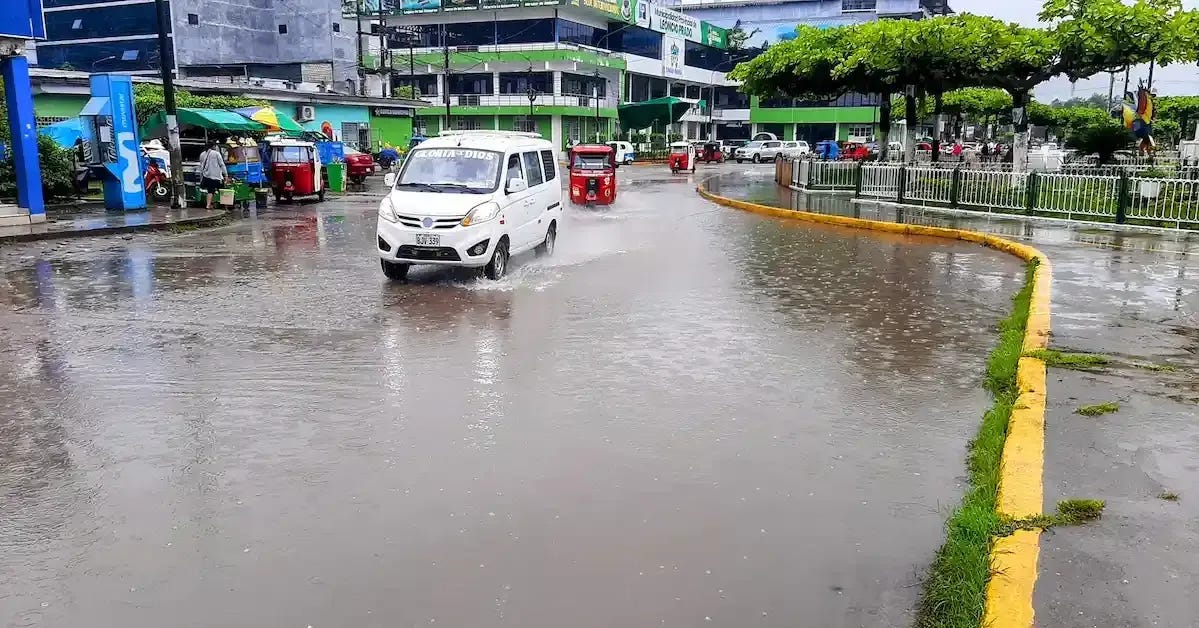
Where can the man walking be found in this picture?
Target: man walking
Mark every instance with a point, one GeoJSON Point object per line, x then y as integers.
{"type": "Point", "coordinates": [212, 172]}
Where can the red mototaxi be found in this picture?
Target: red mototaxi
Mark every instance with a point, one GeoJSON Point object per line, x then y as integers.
{"type": "Point", "coordinates": [295, 170]}
{"type": "Point", "coordinates": [682, 157]}
{"type": "Point", "coordinates": [592, 174]}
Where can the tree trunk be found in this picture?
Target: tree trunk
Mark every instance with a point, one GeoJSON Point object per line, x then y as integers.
{"type": "Point", "coordinates": [1020, 140]}
{"type": "Point", "coordinates": [938, 110]}
{"type": "Point", "coordinates": [909, 117]}
{"type": "Point", "coordinates": [884, 126]}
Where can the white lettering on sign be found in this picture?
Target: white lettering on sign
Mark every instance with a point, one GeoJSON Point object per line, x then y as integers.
{"type": "Point", "coordinates": [675, 23]}
{"type": "Point", "coordinates": [459, 153]}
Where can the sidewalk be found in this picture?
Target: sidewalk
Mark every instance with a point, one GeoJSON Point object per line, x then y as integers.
{"type": "Point", "coordinates": [98, 222]}
{"type": "Point", "coordinates": [1132, 295]}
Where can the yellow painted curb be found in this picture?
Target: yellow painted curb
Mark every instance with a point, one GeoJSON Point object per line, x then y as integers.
{"type": "Point", "coordinates": [1013, 558]}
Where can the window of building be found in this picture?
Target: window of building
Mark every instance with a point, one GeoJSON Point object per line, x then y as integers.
{"type": "Point", "coordinates": [520, 82]}
{"type": "Point", "coordinates": [861, 130]}
{"type": "Point", "coordinates": [426, 84]}
{"type": "Point", "coordinates": [110, 56]}
{"type": "Point", "coordinates": [858, 5]}
{"type": "Point", "coordinates": [573, 131]}
{"type": "Point", "coordinates": [193, 19]}
{"type": "Point", "coordinates": [283, 29]}
{"type": "Point", "coordinates": [108, 21]}
{"type": "Point", "coordinates": [549, 164]}
{"type": "Point", "coordinates": [581, 34]}
{"type": "Point", "coordinates": [463, 123]}
{"type": "Point", "coordinates": [582, 85]}
{"type": "Point", "coordinates": [642, 88]}
{"type": "Point", "coordinates": [730, 98]}
{"type": "Point", "coordinates": [527, 124]}
{"type": "Point", "coordinates": [420, 127]}
{"type": "Point", "coordinates": [633, 40]}
{"type": "Point", "coordinates": [532, 168]}
{"type": "Point", "coordinates": [476, 84]}
{"type": "Point", "coordinates": [336, 27]}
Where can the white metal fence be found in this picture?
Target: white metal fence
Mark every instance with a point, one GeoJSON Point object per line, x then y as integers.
{"type": "Point", "coordinates": [1167, 200]}
{"type": "Point", "coordinates": [993, 189]}
{"type": "Point", "coordinates": [1154, 200]}
{"type": "Point", "coordinates": [1072, 194]}
{"type": "Point", "coordinates": [931, 185]}
{"type": "Point", "coordinates": [880, 181]}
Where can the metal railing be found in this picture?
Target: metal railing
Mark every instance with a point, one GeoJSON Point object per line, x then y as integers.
{"type": "Point", "coordinates": [1164, 200]}
{"type": "Point", "coordinates": [1152, 200]}
{"type": "Point", "coordinates": [930, 185]}
{"type": "Point", "coordinates": [520, 100]}
{"type": "Point", "coordinates": [880, 181]}
{"type": "Point", "coordinates": [993, 189]}
{"type": "Point", "coordinates": [1076, 194]}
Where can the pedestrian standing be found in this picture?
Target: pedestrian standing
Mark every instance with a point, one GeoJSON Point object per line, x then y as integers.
{"type": "Point", "coordinates": [957, 150]}
{"type": "Point", "coordinates": [212, 172]}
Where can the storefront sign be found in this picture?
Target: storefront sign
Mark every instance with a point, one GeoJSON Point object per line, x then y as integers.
{"type": "Point", "coordinates": [672, 55]}
{"type": "Point", "coordinates": [459, 5]}
{"type": "Point", "coordinates": [499, 4]}
{"type": "Point", "coordinates": [408, 7]}
{"type": "Point", "coordinates": [672, 22]}
{"type": "Point", "coordinates": [714, 36]}
{"type": "Point", "coordinates": [392, 112]}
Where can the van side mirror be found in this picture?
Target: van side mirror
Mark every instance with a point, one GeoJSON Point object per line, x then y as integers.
{"type": "Point", "coordinates": [389, 179]}
{"type": "Point", "coordinates": [517, 185]}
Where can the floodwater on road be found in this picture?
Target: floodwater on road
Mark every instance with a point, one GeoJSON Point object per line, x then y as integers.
{"type": "Point", "coordinates": [689, 416]}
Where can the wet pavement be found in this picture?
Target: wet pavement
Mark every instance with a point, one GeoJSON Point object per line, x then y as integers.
{"type": "Point", "coordinates": [1132, 295]}
{"type": "Point", "coordinates": [689, 416]}
{"type": "Point", "coordinates": [97, 221]}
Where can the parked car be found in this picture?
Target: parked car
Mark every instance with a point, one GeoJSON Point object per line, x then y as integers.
{"type": "Point", "coordinates": [758, 151]}
{"type": "Point", "coordinates": [795, 149]}
{"type": "Point", "coordinates": [359, 165]}
{"type": "Point", "coordinates": [855, 151]}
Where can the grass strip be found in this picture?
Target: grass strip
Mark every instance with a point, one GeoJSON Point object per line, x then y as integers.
{"type": "Point", "coordinates": [955, 585]}
{"type": "Point", "coordinates": [1098, 409]}
{"type": "Point", "coordinates": [1076, 361]}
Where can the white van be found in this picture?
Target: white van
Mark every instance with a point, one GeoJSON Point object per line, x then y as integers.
{"type": "Point", "coordinates": [624, 152]}
{"type": "Point", "coordinates": [471, 198]}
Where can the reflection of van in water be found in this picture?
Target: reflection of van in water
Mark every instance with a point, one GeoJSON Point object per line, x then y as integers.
{"type": "Point", "coordinates": [471, 198]}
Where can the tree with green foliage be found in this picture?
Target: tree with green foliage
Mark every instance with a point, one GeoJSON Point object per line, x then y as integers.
{"type": "Point", "coordinates": [1101, 136]}
{"type": "Point", "coordinates": [56, 164]}
{"type": "Point", "coordinates": [411, 92]}
{"type": "Point", "coordinates": [738, 37]}
{"type": "Point", "coordinates": [148, 100]}
{"type": "Point", "coordinates": [1181, 110]}
{"type": "Point", "coordinates": [1111, 35]}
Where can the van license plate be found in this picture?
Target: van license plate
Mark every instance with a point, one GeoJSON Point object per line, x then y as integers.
{"type": "Point", "coordinates": [428, 239]}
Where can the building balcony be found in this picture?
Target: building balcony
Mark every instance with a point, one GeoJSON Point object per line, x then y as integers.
{"type": "Point", "coordinates": [540, 56]}
{"type": "Point", "coordinates": [520, 100]}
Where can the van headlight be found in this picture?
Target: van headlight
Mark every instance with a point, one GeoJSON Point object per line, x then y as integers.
{"type": "Point", "coordinates": [481, 213]}
{"type": "Point", "coordinates": [387, 210]}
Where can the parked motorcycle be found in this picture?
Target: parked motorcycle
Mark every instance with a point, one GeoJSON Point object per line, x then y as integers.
{"type": "Point", "coordinates": [158, 186]}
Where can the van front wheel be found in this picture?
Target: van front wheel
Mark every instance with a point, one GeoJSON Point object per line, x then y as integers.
{"type": "Point", "coordinates": [498, 265]}
{"type": "Point", "coordinates": [394, 271]}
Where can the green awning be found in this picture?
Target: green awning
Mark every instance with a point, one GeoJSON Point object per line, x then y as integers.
{"type": "Point", "coordinates": [642, 115]}
{"type": "Point", "coordinates": [211, 119]}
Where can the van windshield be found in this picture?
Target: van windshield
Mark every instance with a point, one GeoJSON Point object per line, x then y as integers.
{"type": "Point", "coordinates": [454, 170]}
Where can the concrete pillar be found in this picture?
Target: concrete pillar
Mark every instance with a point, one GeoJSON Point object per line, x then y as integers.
{"type": "Point", "coordinates": [18, 96]}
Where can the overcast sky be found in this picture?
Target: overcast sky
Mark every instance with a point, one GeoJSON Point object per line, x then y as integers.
{"type": "Point", "coordinates": [1175, 79]}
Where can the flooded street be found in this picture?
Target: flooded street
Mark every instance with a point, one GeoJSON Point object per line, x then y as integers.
{"type": "Point", "coordinates": [688, 416]}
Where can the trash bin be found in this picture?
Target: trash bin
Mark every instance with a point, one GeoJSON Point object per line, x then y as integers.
{"type": "Point", "coordinates": [337, 177]}
{"type": "Point", "coordinates": [260, 198]}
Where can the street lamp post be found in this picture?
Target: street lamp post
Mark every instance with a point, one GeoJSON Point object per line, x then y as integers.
{"type": "Point", "coordinates": [532, 95]}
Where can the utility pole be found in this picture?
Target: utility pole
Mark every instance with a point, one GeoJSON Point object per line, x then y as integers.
{"type": "Point", "coordinates": [358, 41]}
{"type": "Point", "coordinates": [384, 73]}
{"type": "Point", "coordinates": [445, 92]}
{"type": "Point", "coordinates": [1111, 88]}
{"type": "Point", "coordinates": [166, 63]}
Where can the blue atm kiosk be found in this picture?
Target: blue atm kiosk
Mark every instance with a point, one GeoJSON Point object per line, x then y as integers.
{"type": "Point", "coordinates": [110, 128]}
{"type": "Point", "coordinates": [21, 21]}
